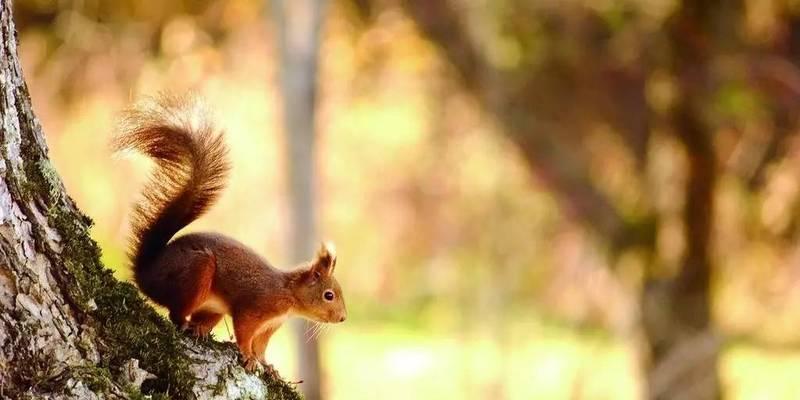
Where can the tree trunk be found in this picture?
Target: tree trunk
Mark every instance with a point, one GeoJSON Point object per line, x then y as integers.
{"type": "Point", "coordinates": [676, 313]}
{"type": "Point", "coordinates": [68, 329]}
{"type": "Point", "coordinates": [298, 25]}
{"type": "Point", "coordinates": [684, 346]}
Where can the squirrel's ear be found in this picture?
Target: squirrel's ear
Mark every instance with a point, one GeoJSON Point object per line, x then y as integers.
{"type": "Point", "coordinates": [326, 259]}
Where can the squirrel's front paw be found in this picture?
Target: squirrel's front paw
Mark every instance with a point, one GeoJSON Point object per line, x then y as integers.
{"type": "Point", "coordinates": [198, 331]}
{"type": "Point", "coordinates": [251, 364]}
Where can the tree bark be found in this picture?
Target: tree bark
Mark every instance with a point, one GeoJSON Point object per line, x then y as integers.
{"type": "Point", "coordinates": [68, 329]}
{"type": "Point", "coordinates": [298, 25]}
{"type": "Point", "coordinates": [684, 346]}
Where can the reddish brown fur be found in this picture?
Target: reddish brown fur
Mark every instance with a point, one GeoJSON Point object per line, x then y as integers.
{"type": "Point", "coordinates": [203, 322]}
{"type": "Point", "coordinates": [200, 277]}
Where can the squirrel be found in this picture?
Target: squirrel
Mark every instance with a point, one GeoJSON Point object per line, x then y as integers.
{"type": "Point", "coordinates": [200, 277]}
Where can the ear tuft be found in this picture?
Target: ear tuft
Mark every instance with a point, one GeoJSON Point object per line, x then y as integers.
{"type": "Point", "coordinates": [327, 253]}
{"type": "Point", "coordinates": [326, 258]}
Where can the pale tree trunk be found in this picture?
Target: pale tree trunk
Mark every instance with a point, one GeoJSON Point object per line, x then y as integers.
{"type": "Point", "coordinates": [298, 25]}
{"type": "Point", "coordinates": [68, 329]}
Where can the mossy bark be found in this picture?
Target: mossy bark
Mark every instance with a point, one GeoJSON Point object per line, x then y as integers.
{"type": "Point", "coordinates": [68, 329]}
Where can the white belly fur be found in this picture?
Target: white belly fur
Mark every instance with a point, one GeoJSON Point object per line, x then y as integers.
{"type": "Point", "coordinates": [215, 304]}
{"type": "Point", "coordinates": [272, 323]}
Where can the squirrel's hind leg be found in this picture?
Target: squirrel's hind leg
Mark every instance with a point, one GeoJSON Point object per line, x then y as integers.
{"type": "Point", "coordinates": [202, 322]}
{"type": "Point", "coordinates": [195, 287]}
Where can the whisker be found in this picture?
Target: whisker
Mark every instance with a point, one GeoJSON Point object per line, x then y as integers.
{"type": "Point", "coordinates": [309, 327]}
{"type": "Point", "coordinates": [314, 329]}
{"type": "Point", "coordinates": [322, 328]}
{"type": "Point", "coordinates": [317, 331]}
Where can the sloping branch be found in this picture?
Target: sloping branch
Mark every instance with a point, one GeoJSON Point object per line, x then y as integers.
{"type": "Point", "coordinates": [545, 133]}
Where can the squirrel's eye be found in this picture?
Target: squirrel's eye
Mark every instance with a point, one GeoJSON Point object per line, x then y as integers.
{"type": "Point", "coordinates": [328, 295]}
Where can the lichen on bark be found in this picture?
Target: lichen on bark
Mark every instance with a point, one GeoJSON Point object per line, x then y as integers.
{"type": "Point", "coordinates": [68, 328]}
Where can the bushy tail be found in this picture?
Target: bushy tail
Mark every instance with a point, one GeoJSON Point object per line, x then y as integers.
{"type": "Point", "coordinates": [191, 168]}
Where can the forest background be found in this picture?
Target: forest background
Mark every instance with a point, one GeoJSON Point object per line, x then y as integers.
{"type": "Point", "coordinates": [583, 199]}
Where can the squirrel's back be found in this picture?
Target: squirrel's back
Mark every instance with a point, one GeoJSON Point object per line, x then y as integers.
{"type": "Point", "coordinates": [191, 168]}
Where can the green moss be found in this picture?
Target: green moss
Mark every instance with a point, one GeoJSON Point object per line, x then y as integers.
{"type": "Point", "coordinates": [96, 378]}
{"type": "Point", "coordinates": [50, 176]}
{"type": "Point", "coordinates": [279, 390]}
{"type": "Point", "coordinates": [32, 369]}
{"type": "Point", "coordinates": [135, 394]}
{"type": "Point", "coordinates": [128, 326]}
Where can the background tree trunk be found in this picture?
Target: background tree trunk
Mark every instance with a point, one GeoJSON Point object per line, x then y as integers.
{"type": "Point", "coordinates": [298, 29]}
{"type": "Point", "coordinates": [68, 329]}
{"type": "Point", "coordinates": [528, 104]}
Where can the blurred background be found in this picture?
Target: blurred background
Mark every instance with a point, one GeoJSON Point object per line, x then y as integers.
{"type": "Point", "coordinates": [576, 199]}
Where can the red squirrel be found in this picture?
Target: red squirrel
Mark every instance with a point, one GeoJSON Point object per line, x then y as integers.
{"type": "Point", "coordinates": [200, 277]}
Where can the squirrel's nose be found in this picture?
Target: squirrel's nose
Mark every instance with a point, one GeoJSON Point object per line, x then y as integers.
{"type": "Point", "coordinates": [342, 319]}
